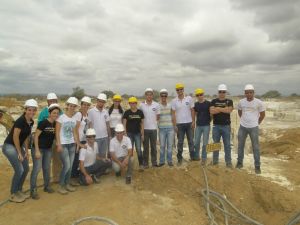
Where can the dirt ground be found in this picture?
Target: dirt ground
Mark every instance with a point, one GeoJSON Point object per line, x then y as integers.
{"type": "Point", "coordinates": [165, 196]}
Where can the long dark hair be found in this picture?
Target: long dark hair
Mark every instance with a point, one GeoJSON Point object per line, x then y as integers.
{"type": "Point", "coordinates": [112, 108]}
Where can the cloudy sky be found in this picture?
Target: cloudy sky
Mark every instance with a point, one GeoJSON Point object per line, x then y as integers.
{"type": "Point", "coordinates": [126, 46]}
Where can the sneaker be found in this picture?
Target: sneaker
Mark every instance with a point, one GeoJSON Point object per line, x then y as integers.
{"type": "Point", "coordinates": [95, 179]}
{"type": "Point", "coordinates": [70, 188]}
{"type": "Point", "coordinates": [239, 165]}
{"type": "Point", "coordinates": [24, 195]}
{"type": "Point", "coordinates": [118, 174]}
{"type": "Point", "coordinates": [16, 198]}
{"type": "Point", "coordinates": [141, 168]}
{"type": "Point", "coordinates": [74, 182]}
{"type": "Point", "coordinates": [203, 162]}
{"type": "Point", "coordinates": [179, 163]}
{"type": "Point", "coordinates": [146, 167]}
{"type": "Point", "coordinates": [34, 195]}
{"type": "Point", "coordinates": [161, 164]}
{"type": "Point", "coordinates": [62, 190]}
{"type": "Point", "coordinates": [257, 170]}
{"type": "Point", "coordinates": [170, 164]}
{"type": "Point", "coordinates": [229, 165]}
{"type": "Point", "coordinates": [49, 190]}
{"type": "Point", "coordinates": [128, 180]}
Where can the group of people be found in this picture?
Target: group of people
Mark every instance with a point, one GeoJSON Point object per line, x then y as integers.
{"type": "Point", "coordinates": [87, 143]}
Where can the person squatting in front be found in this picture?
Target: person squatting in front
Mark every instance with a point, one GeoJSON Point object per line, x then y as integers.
{"type": "Point", "coordinates": [92, 166]}
{"type": "Point", "coordinates": [121, 153]}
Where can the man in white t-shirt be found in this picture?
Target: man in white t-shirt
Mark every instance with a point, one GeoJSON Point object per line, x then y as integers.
{"type": "Point", "coordinates": [252, 112]}
{"type": "Point", "coordinates": [91, 165]}
{"type": "Point", "coordinates": [151, 110]}
{"type": "Point", "coordinates": [99, 118]}
{"type": "Point", "coordinates": [183, 118]}
{"type": "Point", "coordinates": [121, 153]}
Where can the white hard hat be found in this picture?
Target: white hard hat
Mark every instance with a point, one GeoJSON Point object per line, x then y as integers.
{"type": "Point", "coordinates": [102, 96]}
{"type": "Point", "coordinates": [148, 90]}
{"type": "Point", "coordinates": [72, 100]}
{"type": "Point", "coordinates": [119, 128]}
{"type": "Point", "coordinates": [222, 87]}
{"type": "Point", "coordinates": [31, 103]}
{"type": "Point", "coordinates": [86, 99]}
{"type": "Point", "coordinates": [90, 132]}
{"type": "Point", "coordinates": [163, 91]}
{"type": "Point", "coordinates": [249, 87]}
{"type": "Point", "coordinates": [51, 96]}
{"type": "Point", "coordinates": [54, 105]}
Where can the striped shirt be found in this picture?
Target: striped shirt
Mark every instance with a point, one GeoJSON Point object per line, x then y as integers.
{"type": "Point", "coordinates": [165, 120]}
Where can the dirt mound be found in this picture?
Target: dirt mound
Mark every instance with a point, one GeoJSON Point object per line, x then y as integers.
{"type": "Point", "coordinates": [287, 143]}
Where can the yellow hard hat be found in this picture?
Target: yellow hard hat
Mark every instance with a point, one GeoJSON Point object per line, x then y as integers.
{"type": "Point", "coordinates": [132, 100]}
{"type": "Point", "coordinates": [199, 91]}
{"type": "Point", "coordinates": [179, 85]}
{"type": "Point", "coordinates": [117, 97]}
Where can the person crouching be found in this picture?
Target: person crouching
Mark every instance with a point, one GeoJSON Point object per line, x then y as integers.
{"type": "Point", "coordinates": [91, 164]}
{"type": "Point", "coordinates": [121, 153]}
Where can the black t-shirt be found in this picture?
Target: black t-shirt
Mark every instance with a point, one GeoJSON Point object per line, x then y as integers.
{"type": "Point", "coordinates": [48, 133]}
{"type": "Point", "coordinates": [203, 115]}
{"type": "Point", "coordinates": [221, 118]}
{"type": "Point", "coordinates": [25, 127]}
{"type": "Point", "coordinates": [134, 119]}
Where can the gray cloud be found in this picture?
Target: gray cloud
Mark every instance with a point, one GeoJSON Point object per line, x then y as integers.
{"type": "Point", "coordinates": [128, 46]}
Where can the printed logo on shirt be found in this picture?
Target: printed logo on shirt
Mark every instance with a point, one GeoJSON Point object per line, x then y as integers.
{"type": "Point", "coordinates": [153, 109]}
{"type": "Point", "coordinates": [124, 146]}
{"type": "Point", "coordinates": [187, 103]}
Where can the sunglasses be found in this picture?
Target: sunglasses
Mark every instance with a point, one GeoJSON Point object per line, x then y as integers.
{"type": "Point", "coordinates": [164, 96]}
{"type": "Point", "coordinates": [90, 136]}
{"type": "Point", "coordinates": [199, 95]}
{"type": "Point", "coordinates": [180, 89]}
{"type": "Point", "coordinates": [222, 92]}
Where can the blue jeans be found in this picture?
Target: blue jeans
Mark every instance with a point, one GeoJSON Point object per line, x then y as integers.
{"type": "Point", "coordinates": [166, 139]}
{"type": "Point", "coordinates": [21, 168]}
{"type": "Point", "coordinates": [224, 132]}
{"type": "Point", "coordinates": [201, 130]}
{"type": "Point", "coordinates": [136, 140]}
{"type": "Point", "coordinates": [102, 146]}
{"type": "Point", "coordinates": [43, 162]}
{"type": "Point", "coordinates": [242, 136]}
{"type": "Point", "coordinates": [185, 128]}
{"type": "Point", "coordinates": [67, 157]}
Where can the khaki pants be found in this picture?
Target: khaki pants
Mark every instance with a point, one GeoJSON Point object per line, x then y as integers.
{"type": "Point", "coordinates": [56, 164]}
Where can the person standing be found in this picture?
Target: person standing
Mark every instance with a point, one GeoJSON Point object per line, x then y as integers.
{"type": "Point", "coordinates": [15, 148]}
{"type": "Point", "coordinates": [166, 129]}
{"type": "Point", "coordinates": [133, 121]}
{"type": "Point", "coordinates": [82, 126]}
{"type": "Point", "coordinates": [44, 114]}
{"type": "Point", "coordinates": [41, 151]}
{"type": "Point", "coordinates": [151, 112]}
{"type": "Point", "coordinates": [221, 108]}
{"type": "Point", "coordinates": [252, 112]}
{"type": "Point", "coordinates": [183, 120]}
{"type": "Point", "coordinates": [121, 153]}
{"type": "Point", "coordinates": [67, 143]}
{"type": "Point", "coordinates": [202, 125]}
{"type": "Point", "coordinates": [115, 113]}
{"type": "Point", "coordinates": [91, 165]}
{"type": "Point", "coordinates": [99, 118]}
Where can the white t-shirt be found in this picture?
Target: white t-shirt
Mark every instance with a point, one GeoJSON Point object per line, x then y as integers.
{"type": "Point", "coordinates": [120, 148]}
{"type": "Point", "coordinates": [84, 125]}
{"type": "Point", "coordinates": [98, 120]}
{"type": "Point", "coordinates": [115, 118]}
{"type": "Point", "coordinates": [88, 155]}
{"type": "Point", "coordinates": [68, 124]}
{"type": "Point", "coordinates": [150, 113]}
{"type": "Point", "coordinates": [250, 112]}
{"type": "Point", "coordinates": [182, 109]}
